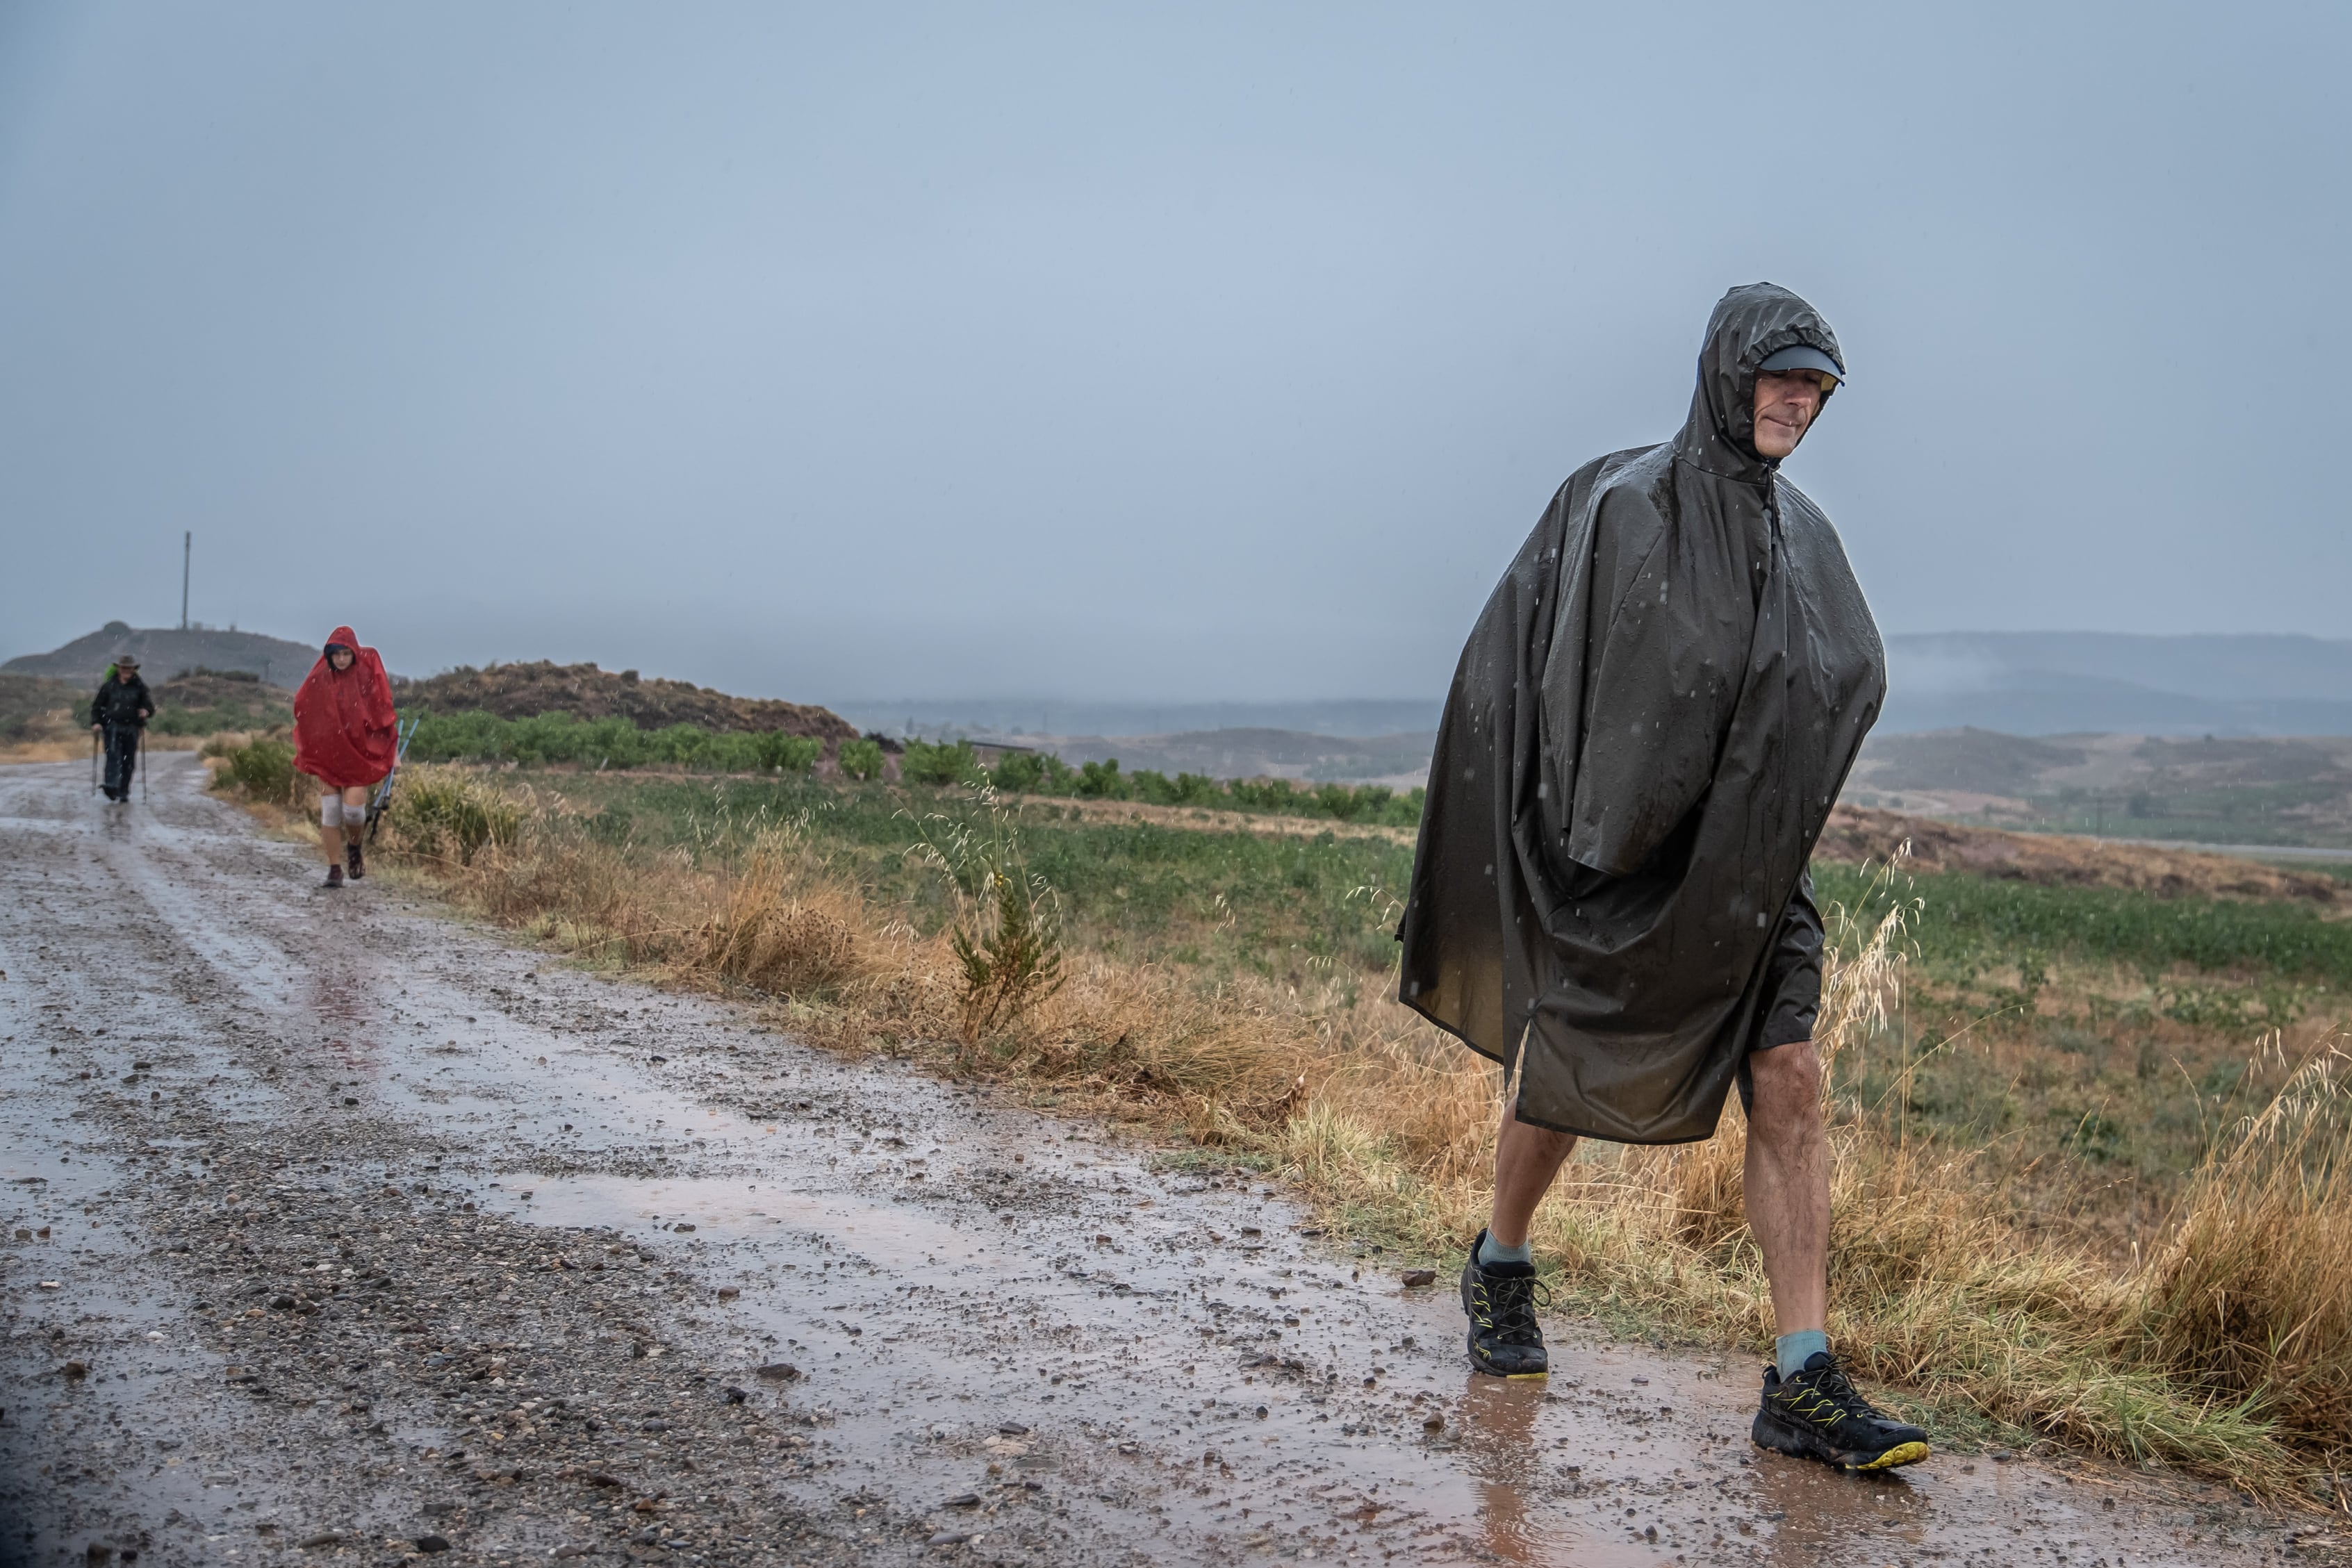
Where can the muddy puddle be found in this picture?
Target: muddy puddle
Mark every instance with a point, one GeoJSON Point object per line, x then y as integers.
{"type": "Point", "coordinates": [445, 1242]}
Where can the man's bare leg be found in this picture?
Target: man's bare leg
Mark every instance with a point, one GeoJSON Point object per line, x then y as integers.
{"type": "Point", "coordinates": [1526, 1158]}
{"type": "Point", "coordinates": [1498, 1281]}
{"type": "Point", "coordinates": [330, 837]}
{"type": "Point", "coordinates": [1788, 1184]}
{"type": "Point", "coordinates": [1812, 1412]}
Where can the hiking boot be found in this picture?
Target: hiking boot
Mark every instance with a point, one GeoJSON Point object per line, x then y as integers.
{"type": "Point", "coordinates": [1502, 1299]}
{"type": "Point", "coordinates": [353, 862]}
{"type": "Point", "coordinates": [1815, 1414]}
{"type": "Point", "coordinates": [335, 876]}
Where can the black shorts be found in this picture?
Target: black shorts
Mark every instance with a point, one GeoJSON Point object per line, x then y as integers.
{"type": "Point", "coordinates": [1792, 984]}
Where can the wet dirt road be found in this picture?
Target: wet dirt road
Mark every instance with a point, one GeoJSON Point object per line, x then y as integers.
{"type": "Point", "coordinates": [334, 1231]}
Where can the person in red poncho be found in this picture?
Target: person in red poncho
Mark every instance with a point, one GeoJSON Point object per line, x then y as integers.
{"type": "Point", "coordinates": [344, 736]}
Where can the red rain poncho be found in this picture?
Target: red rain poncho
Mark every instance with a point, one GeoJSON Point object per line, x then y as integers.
{"type": "Point", "coordinates": [344, 722]}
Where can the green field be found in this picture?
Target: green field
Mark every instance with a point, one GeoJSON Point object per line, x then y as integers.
{"type": "Point", "coordinates": [1273, 904]}
{"type": "Point", "coordinates": [2105, 1026]}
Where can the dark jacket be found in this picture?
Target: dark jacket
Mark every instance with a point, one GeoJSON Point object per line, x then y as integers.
{"type": "Point", "coordinates": [120, 702]}
{"type": "Point", "coordinates": [1642, 740]}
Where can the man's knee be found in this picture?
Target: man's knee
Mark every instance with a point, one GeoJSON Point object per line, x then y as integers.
{"type": "Point", "coordinates": [1788, 1080]}
{"type": "Point", "coordinates": [1528, 1135]}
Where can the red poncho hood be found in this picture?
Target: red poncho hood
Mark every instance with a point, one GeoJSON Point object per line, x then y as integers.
{"type": "Point", "coordinates": [344, 722]}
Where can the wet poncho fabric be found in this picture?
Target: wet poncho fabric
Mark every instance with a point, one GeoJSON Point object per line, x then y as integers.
{"type": "Point", "coordinates": [344, 723]}
{"type": "Point", "coordinates": [1647, 728]}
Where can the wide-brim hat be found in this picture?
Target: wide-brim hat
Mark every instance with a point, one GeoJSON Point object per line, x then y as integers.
{"type": "Point", "coordinates": [126, 660]}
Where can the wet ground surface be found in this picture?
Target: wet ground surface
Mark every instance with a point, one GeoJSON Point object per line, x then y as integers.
{"type": "Point", "coordinates": [333, 1230]}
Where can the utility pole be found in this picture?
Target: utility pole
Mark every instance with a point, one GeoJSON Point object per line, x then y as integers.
{"type": "Point", "coordinates": [187, 549]}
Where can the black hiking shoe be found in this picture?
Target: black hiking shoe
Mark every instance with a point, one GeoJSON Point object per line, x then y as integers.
{"type": "Point", "coordinates": [335, 876]}
{"type": "Point", "coordinates": [1815, 1414]}
{"type": "Point", "coordinates": [1502, 1299]}
{"type": "Point", "coordinates": [354, 863]}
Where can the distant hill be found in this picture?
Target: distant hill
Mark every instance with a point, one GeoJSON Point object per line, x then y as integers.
{"type": "Point", "coordinates": [2077, 683]}
{"type": "Point", "coordinates": [586, 691]}
{"type": "Point", "coordinates": [164, 651]}
{"type": "Point", "coordinates": [2242, 789]}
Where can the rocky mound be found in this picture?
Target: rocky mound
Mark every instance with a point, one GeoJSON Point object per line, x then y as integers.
{"type": "Point", "coordinates": [585, 691]}
{"type": "Point", "coordinates": [1857, 834]}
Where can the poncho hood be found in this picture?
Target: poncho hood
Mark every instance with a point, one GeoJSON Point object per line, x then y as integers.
{"type": "Point", "coordinates": [1643, 737]}
{"type": "Point", "coordinates": [344, 724]}
{"type": "Point", "coordinates": [1750, 324]}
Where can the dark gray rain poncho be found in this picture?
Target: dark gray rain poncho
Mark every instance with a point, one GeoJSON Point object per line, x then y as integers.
{"type": "Point", "coordinates": [1647, 728]}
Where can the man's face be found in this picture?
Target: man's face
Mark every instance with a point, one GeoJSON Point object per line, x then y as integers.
{"type": "Point", "coordinates": [1786, 403]}
{"type": "Point", "coordinates": [341, 657]}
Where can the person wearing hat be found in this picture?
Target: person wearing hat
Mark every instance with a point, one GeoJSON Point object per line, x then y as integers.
{"type": "Point", "coordinates": [345, 736]}
{"type": "Point", "coordinates": [1649, 724]}
{"type": "Point", "coordinates": [119, 714]}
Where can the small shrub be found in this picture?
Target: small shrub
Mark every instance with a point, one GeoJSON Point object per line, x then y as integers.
{"type": "Point", "coordinates": [861, 758]}
{"type": "Point", "coordinates": [1266, 794]}
{"type": "Point", "coordinates": [1101, 781]}
{"type": "Point", "coordinates": [263, 769]}
{"type": "Point", "coordinates": [1339, 801]}
{"type": "Point", "coordinates": [927, 764]}
{"type": "Point", "coordinates": [1150, 784]}
{"type": "Point", "coordinates": [1199, 790]}
{"type": "Point", "coordinates": [1007, 933]}
{"type": "Point", "coordinates": [1018, 772]}
{"type": "Point", "coordinates": [789, 753]}
{"type": "Point", "coordinates": [1011, 953]}
{"type": "Point", "coordinates": [442, 812]}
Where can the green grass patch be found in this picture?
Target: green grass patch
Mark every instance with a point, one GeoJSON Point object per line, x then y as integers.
{"type": "Point", "coordinates": [1225, 900]}
{"type": "Point", "coordinates": [1972, 924]}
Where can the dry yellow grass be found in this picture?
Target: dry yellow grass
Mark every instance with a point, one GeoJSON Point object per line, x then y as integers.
{"type": "Point", "coordinates": [75, 747]}
{"type": "Point", "coordinates": [1214, 821]}
{"type": "Point", "coordinates": [2229, 1351]}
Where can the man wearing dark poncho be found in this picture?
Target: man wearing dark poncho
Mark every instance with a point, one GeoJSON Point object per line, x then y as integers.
{"type": "Point", "coordinates": [1648, 727]}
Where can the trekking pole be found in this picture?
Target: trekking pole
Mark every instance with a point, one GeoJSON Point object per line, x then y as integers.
{"type": "Point", "coordinates": [382, 796]}
{"type": "Point", "coordinates": [142, 764]}
{"type": "Point", "coordinates": [93, 762]}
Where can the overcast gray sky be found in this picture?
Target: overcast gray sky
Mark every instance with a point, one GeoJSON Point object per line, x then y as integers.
{"type": "Point", "coordinates": [1170, 352]}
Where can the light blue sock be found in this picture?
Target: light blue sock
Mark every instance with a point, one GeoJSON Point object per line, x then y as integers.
{"type": "Point", "coordinates": [1491, 1251]}
{"type": "Point", "coordinates": [1793, 1349]}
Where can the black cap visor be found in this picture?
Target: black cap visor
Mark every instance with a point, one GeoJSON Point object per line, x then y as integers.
{"type": "Point", "coordinates": [1800, 357]}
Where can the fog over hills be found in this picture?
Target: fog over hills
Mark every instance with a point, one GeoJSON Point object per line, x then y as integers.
{"type": "Point", "coordinates": [2072, 683]}
{"type": "Point", "coordinates": [2017, 682]}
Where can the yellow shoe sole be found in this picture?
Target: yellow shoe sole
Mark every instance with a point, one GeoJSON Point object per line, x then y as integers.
{"type": "Point", "coordinates": [1901, 1454]}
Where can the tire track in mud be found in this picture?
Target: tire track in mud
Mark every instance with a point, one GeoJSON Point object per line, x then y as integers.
{"type": "Point", "coordinates": [335, 1231]}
